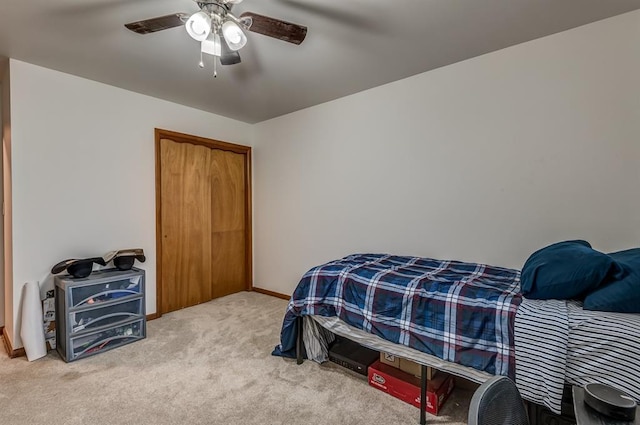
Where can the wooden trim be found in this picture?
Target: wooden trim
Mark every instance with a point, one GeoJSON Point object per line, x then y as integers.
{"type": "Point", "coordinates": [248, 222]}
{"type": "Point", "coordinates": [1, 330]}
{"type": "Point", "coordinates": [196, 140]}
{"type": "Point", "coordinates": [152, 316]}
{"type": "Point", "coordinates": [271, 293]}
{"type": "Point", "coordinates": [10, 351]}
{"type": "Point", "coordinates": [7, 344]}
{"type": "Point", "coordinates": [158, 135]}
{"type": "Point", "coordinates": [212, 144]}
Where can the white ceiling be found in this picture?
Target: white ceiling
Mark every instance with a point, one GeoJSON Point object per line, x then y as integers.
{"type": "Point", "coordinates": [352, 45]}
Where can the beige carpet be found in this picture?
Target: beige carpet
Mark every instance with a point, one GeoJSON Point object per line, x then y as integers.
{"type": "Point", "coordinates": [209, 364]}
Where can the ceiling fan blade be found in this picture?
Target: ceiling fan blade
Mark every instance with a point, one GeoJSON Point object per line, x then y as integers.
{"type": "Point", "coordinates": [271, 27]}
{"type": "Point", "coordinates": [338, 14]}
{"type": "Point", "coordinates": [158, 24]}
{"type": "Point", "coordinates": [228, 57]}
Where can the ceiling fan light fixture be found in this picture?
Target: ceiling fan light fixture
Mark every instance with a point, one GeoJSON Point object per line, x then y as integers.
{"type": "Point", "coordinates": [212, 45]}
{"type": "Point", "coordinates": [199, 26]}
{"type": "Point", "coordinates": [233, 35]}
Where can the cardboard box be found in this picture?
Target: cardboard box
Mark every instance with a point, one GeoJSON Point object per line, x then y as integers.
{"type": "Point", "coordinates": [406, 387]}
{"type": "Point", "coordinates": [405, 365]}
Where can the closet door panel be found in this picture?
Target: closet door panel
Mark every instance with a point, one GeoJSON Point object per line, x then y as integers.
{"type": "Point", "coordinates": [228, 191]}
{"type": "Point", "coordinates": [228, 222]}
{"type": "Point", "coordinates": [186, 224]}
{"type": "Point", "coordinates": [228, 263]}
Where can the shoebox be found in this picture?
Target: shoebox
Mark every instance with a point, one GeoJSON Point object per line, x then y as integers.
{"type": "Point", "coordinates": [406, 387]}
{"type": "Point", "coordinates": [405, 365]}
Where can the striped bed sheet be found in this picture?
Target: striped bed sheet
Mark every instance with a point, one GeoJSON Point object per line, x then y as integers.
{"type": "Point", "coordinates": [541, 336]}
{"type": "Point", "coordinates": [604, 348]}
{"type": "Point", "coordinates": [558, 342]}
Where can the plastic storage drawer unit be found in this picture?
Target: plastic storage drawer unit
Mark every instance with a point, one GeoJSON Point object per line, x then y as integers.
{"type": "Point", "coordinates": [100, 312]}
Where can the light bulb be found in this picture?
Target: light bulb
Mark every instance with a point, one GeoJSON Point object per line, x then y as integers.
{"type": "Point", "coordinates": [199, 26]}
{"type": "Point", "coordinates": [233, 35]}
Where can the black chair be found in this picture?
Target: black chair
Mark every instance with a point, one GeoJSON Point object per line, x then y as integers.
{"type": "Point", "coordinates": [497, 402]}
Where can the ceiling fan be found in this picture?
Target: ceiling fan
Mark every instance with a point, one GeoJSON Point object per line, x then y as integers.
{"type": "Point", "coordinates": [220, 33]}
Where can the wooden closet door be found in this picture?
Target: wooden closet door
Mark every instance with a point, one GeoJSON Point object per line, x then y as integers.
{"type": "Point", "coordinates": [186, 225]}
{"type": "Point", "coordinates": [204, 221]}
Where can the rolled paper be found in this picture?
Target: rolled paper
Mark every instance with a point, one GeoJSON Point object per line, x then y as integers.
{"type": "Point", "coordinates": [32, 327]}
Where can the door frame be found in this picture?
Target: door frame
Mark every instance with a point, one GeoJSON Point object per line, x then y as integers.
{"type": "Point", "coordinates": [212, 144]}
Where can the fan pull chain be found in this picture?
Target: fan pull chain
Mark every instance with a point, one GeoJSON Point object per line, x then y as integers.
{"type": "Point", "coordinates": [215, 69]}
{"type": "Point", "coordinates": [201, 64]}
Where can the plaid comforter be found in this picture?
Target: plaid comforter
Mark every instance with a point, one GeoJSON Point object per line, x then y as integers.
{"type": "Point", "coordinates": [459, 312]}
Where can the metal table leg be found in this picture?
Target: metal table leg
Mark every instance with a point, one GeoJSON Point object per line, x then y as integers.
{"type": "Point", "coordinates": [423, 394]}
{"type": "Point", "coordinates": [299, 344]}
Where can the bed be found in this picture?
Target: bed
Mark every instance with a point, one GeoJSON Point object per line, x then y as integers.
{"type": "Point", "coordinates": [464, 318]}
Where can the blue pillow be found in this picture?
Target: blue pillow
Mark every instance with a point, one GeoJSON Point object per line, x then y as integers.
{"type": "Point", "coordinates": [621, 292]}
{"type": "Point", "coordinates": [564, 271]}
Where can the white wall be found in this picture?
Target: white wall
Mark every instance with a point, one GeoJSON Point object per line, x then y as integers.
{"type": "Point", "coordinates": [485, 160]}
{"type": "Point", "coordinates": [7, 283]}
{"type": "Point", "coordinates": [2, 226]}
{"type": "Point", "coordinates": [84, 170]}
{"type": "Point", "coordinates": [4, 116]}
